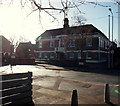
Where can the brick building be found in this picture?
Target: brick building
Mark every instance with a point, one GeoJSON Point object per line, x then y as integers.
{"type": "Point", "coordinates": [76, 43]}
{"type": "Point", "coordinates": [5, 45]}
{"type": "Point", "coordinates": [5, 49]}
{"type": "Point", "coordinates": [25, 50]}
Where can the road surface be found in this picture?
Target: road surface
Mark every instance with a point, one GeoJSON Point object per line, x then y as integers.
{"type": "Point", "coordinates": [54, 84]}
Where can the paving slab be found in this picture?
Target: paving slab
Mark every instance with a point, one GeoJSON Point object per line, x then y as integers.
{"type": "Point", "coordinates": [45, 81]}
{"type": "Point", "coordinates": [50, 96]}
{"type": "Point", "coordinates": [54, 85]}
{"type": "Point", "coordinates": [57, 90]}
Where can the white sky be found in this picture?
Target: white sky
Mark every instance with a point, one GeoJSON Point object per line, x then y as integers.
{"type": "Point", "coordinates": [14, 20]}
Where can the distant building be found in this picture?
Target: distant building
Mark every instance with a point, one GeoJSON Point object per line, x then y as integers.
{"type": "Point", "coordinates": [117, 57]}
{"type": "Point", "coordinates": [6, 49]}
{"type": "Point", "coordinates": [25, 50]}
{"type": "Point", "coordinates": [76, 43]}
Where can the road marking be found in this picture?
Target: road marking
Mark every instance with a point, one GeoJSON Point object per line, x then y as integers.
{"type": "Point", "coordinates": [57, 83]}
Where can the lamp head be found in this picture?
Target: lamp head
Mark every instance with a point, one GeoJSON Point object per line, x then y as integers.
{"type": "Point", "coordinates": [110, 9]}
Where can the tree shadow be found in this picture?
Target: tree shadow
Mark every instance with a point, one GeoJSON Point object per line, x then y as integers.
{"type": "Point", "coordinates": [113, 72]}
{"type": "Point", "coordinates": [88, 69]}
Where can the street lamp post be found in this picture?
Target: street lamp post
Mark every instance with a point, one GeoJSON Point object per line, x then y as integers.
{"type": "Point", "coordinates": [112, 38]}
{"type": "Point", "coordinates": [119, 23]}
{"type": "Point", "coordinates": [109, 42]}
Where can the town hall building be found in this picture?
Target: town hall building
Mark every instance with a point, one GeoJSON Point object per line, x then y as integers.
{"type": "Point", "coordinates": [83, 43]}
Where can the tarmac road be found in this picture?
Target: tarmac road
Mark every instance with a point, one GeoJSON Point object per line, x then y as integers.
{"type": "Point", "coordinates": [54, 85]}
{"type": "Point", "coordinates": [74, 73]}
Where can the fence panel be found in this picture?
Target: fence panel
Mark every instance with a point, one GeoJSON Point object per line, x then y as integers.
{"type": "Point", "coordinates": [16, 88]}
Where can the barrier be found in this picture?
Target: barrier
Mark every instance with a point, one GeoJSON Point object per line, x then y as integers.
{"type": "Point", "coordinates": [16, 88]}
{"type": "Point", "coordinates": [106, 94]}
{"type": "Point", "coordinates": [74, 99]}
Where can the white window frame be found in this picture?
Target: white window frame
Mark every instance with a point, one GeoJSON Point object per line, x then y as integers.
{"type": "Point", "coordinates": [61, 43]}
{"type": "Point", "coordinates": [101, 43]}
{"type": "Point", "coordinates": [45, 55]}
{"type": "Point", "coordinates": [87, 56]}
{"type": "Point", "coordinates": [89, 42]}
{"type": "Point", "coordinates": [40, 55]}
{"type": "Point", "coordinates": [72, 42]}
{"type": "Point", "coordinates": [52, 43]}
{"type": "Point", "coordinates": [40, 44]}
{"type": "Point", "coordinates": [79, 55]}
{"type": "Point", "coordinates": [52, 56]}
{"type": "Point", "coordinates": [106, 44]}
{"type": "Point", "coordinates": [71, 55]}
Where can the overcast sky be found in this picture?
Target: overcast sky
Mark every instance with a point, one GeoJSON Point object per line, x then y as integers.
{"type": "Point", "coordinates": [14, 20]}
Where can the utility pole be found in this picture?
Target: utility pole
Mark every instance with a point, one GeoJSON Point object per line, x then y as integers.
{"type": "Point", "coordinates": [109, 42]}
{"type": "Point", "coordinates": [118, 24]}
{"type": "Point", "coordinates": [1, 52]}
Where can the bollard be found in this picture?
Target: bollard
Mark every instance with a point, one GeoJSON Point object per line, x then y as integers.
{"type": "Point", "coordinates": [106, 94]}
{"type": "Point", "coordinates": [74, 101]}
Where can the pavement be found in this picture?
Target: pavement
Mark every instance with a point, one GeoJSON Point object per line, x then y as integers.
{"type": "Point", "coordinates": [59, 91]}
{"type": "Point", "coordinates": [55, 85]}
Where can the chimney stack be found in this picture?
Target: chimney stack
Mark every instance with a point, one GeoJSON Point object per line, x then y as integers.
{"type": "Point", "coordinates": [66, 23]}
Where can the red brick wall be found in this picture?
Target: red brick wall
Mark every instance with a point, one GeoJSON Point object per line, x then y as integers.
{"type": "Point", "coordinates": [79, 44]}
{"type": "Point", "coordinates": [5, 45]}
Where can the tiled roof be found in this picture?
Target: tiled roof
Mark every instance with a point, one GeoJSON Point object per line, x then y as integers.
{"type": "Point", "coordinates": [89, 28]}
{"type": "Point", "coordinates": [3, 38]}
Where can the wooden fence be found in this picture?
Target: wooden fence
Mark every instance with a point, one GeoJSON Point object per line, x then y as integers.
{"type": "Point", "coordinates": [16, 88]}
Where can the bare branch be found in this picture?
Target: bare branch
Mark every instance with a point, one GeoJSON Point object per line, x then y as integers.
{"type": "Point", "coordinates": [66, 5]}
{"type": "Point", "coordinates": [78, 20]}
{"type": "Point", "coordinates": [22, 3]}
{"type": "Point", "coordinates": [95, 3]}
{"type": "Point", "coordinates": [49, 8]}
{"type": "Point", "coordinates": [51, 16]}
{"type": "Point", "coordinates": [62, 3]}
{"type": "Point", "coordinates": [15, 41]}
{"type": "Point", "coordinates": [50, 4]}
{"type": "Point", "coordinates": [77, 8]}
{"type": "Point", "coordinates": [40, 19]}
{"type": "Point", "coordinates": [31, 12]}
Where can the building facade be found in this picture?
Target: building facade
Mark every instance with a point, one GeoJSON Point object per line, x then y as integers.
{"type": "Point", "coordinates": [76, 43]}
{"type": "Point", "coordinates": [6, 49]}
{"type": "Point", "coordinates": [25, 50]}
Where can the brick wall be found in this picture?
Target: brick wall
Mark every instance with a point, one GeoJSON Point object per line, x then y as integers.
{"type": "Point", "coordinates": [6, 47]}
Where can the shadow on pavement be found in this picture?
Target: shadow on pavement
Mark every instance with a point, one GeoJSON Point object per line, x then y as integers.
{"type": "Point", "coordinates": [113, 72]}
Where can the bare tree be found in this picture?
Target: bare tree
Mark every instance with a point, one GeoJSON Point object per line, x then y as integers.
{"type": "Point", "coordinates": [65, 6]}
{"type": "Point", "coordinates": [78, 20]}
{"type": "Point", "coordinates": [15, 41]}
